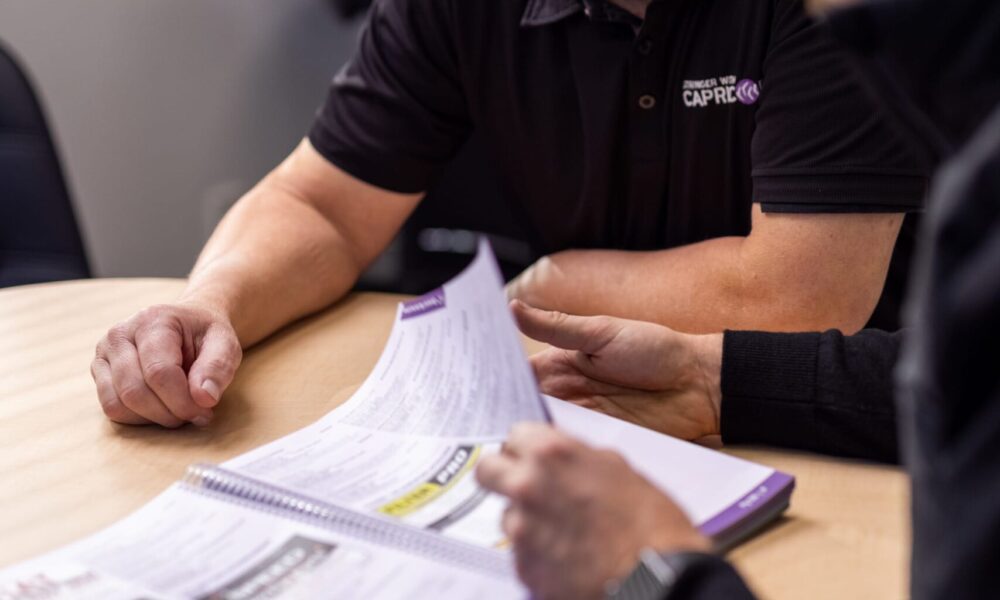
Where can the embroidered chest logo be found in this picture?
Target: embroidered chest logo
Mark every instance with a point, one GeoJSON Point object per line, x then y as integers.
{"type": "Point", "coordinates": [719, 90]}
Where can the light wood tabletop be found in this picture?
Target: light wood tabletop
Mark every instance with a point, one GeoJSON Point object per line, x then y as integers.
{"type": "Point", "coordinates": [67, 471]}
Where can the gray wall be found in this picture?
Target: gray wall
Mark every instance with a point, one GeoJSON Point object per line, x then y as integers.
{"type": "Point", "coordinates": [165, 111]}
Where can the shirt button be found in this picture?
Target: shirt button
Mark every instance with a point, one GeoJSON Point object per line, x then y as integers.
{"type": "Point", "coordinates": [647, 101]}
{"type": "Point", "coordinates": [645, 46]}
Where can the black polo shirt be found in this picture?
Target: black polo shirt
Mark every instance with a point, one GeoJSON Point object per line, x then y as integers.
{"type": "Point", "coordinates": [610, 132]}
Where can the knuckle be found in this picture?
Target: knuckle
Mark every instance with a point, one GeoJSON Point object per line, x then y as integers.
{"type": "Point", "coordinates": [553, 447]}
{"type": "Point", "coordinates": [150, 312]}
{"type": "Point", "coordinates": [603, 327]}
{"type": "Point", "coordinates": [517, 531]}
{"type": "Point", "coordinates": [159, 373]}
{"type": "Point", "coordinates": [237, 350]}
{"type": "Point", "coordinates": [228, 334]}
{"type": "Point", "coordinates": [232, 353]}
{"type": "Point", "coordinates": [611, 457]}
{"type": "Point", "coordinates": [219, 365]}
{"type": "Point", "coordinates": [114, 411]}
{"type": "Point", "coordinates": [603, 322]}
{"type": "Point", "coordinates": [522, 490]}
{"type": "Point", "coordinates": [161, 331]}
{"type": "Point", "coordinates": [132, 394]}
{"type": "Point", "coordinates": [486, 471]}
{"type": "Point", "coordinates": [156, 316]}
{"type": "Point", "coordinates": [117, 334]}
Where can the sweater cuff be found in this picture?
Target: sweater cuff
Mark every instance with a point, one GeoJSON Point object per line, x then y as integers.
{"type": "Point", "coordinates": [714, 578]}
{"type": "Point", "coordinates": [768, 388]}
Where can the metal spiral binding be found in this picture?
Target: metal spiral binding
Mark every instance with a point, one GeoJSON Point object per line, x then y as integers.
{"type": "Point", "coordinates": [239, 489]}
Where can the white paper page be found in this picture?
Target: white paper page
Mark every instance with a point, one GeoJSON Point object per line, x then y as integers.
{"type": "Point", "coordinates": [453, 365]}
{"type": "Point", "coordinates": [449, 384]}
{"type": "Point", "coordinates": [451, 381]}
{"type": "Point", "coordinates": [186, 545]}
{"type": "Point", "coordinates": [703, 482]}
{"type": "Point", "coordinates": [423, 481]}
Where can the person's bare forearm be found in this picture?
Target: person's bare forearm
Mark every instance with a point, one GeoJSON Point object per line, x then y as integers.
{"type": "Point", "coordinates": [648, 286]}
{"type": "Point", "coordinates": [273, 259]}
{"type": "Point", "coordinates": [699, 288]}
{"type": "Point", "coordinates": [292, 245]}
{"type": "Point", "coordinates": [793, 272]}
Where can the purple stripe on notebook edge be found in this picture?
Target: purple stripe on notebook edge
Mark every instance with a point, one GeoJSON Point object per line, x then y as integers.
{"type": "Point", "coordinates": [429, 302]}
{"type": "Point", "coordinates": [762, 493]}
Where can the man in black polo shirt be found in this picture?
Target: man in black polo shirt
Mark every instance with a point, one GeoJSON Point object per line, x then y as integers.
{"type": "Point", "coordinates": [579, 517]}
{"type": "Point", "coordinates": [721, 148]}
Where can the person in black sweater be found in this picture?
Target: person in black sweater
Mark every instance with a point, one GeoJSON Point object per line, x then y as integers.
{"type": "Point", "coordinates": [823, 392]}
{"type": "Point", "coordinates": [579, 518]}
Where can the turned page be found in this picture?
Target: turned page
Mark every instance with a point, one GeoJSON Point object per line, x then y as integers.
{"type": "Point", "coordinates": [451, 381]}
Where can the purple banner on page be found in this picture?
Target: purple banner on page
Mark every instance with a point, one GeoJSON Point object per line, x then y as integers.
{"type": "Point", "coordinates": [429, 302]}
{"type": "Point", "coordinates": [748, 504]}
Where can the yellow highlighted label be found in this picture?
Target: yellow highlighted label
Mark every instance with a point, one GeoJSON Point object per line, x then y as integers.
{"type": "Point", "coordinates": [410, 502]}
{"type": "Point", "coordinates": [461, 462]}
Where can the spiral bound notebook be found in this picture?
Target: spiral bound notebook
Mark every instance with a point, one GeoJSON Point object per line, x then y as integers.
{"type": "Point", "coordinates": [378, 499]}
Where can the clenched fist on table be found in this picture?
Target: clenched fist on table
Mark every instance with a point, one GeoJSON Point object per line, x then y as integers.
{"type": "Point", "coordinates": [167, 364]}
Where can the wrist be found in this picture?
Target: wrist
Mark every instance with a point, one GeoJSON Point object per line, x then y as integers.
{"type": "Point", "coordinates": [708, 366]}
{"type": "Point", "coordinates": [208, 301]}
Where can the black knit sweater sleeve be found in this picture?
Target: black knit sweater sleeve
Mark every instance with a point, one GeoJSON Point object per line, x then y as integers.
{"type": "Point", "coordinates": [822, 392]}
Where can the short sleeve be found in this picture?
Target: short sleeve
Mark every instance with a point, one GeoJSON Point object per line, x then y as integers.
{"type": "Point", "coordinates": [396, 113]}
{"type": "Point", "coordinates": [820, 143]}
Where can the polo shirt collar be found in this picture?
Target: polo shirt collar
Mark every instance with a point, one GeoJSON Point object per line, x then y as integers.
{"type": "Point", "coordinates": [544, 12]}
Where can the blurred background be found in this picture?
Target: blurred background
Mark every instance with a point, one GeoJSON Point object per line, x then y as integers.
{"type": "Point", "coordinates": [161, 113]}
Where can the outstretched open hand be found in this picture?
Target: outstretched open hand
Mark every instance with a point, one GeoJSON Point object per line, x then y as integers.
{"type": "Point", "coordinates": [640, 372]}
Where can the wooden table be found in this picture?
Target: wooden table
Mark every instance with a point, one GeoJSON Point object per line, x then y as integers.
{"type": "Point", "coordinates": [66, 471]}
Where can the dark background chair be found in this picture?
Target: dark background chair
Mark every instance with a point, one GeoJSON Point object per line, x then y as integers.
{"type": "Point", "coordinates": [39, 237]}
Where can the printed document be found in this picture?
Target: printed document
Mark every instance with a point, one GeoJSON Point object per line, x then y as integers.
{"type": "Point", "coordinates": [378, 498]}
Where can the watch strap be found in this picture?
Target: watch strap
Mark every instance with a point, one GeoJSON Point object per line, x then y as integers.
{"type": "Point", "coordinates": [657, 575]}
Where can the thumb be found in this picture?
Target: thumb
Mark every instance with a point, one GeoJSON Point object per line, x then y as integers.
{"type": "Point", "coordinates": [214, 366]}
{"type": "Point", "coordinates": [570, 332]}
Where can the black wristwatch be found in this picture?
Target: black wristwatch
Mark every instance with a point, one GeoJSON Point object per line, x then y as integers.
{"type": "Point", "coordinates": [657, 575]}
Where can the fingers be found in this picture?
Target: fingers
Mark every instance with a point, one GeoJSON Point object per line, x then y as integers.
{"type": "Point", "coordinates": [586, 334]}
{"type": "Point", "coordinates": [140, 373]}
{"type": "Point", "coordinates": [513, 525]}
{"type": "Point", "coordinates": [497, 473]}
{"type": "Point", "coordinates": [100, 370]}
{"type": "Point", "coordinates": [553, 364]}
{"type": "Point", "coordinates": [160, 351]}
{"type": "Point", "coordinates": [561, 374]}
{"type": "Point", "coordinates": [212, 371]}
{"type": "Point", "coordinates": [519, 472]}
{"type": "Point", "coordinates": [538, 441]}
{"type": "Point", "coordinates": [517, 527]}
{"type": "Point", "coordinates": [131, 388]}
